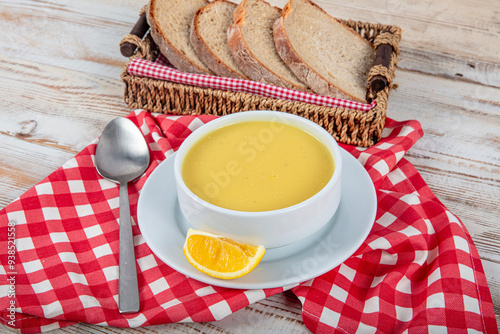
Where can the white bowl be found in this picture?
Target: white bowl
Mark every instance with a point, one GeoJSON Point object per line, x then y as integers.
{"type": "Point", "coordinates": [274, 228]}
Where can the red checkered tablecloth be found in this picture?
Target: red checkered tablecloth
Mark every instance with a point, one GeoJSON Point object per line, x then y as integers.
{"type": "Point", "coordinates": [418, 270]}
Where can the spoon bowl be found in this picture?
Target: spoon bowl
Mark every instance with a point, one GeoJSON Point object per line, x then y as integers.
{"type": "Point", "coordinates": [122, 155]}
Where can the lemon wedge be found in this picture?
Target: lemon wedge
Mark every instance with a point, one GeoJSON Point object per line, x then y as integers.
{"type": "Point", "coordinates": [219, 256]}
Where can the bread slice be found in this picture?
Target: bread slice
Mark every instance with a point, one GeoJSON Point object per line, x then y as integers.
{"type": "Point", "coordinates": [170, 22]}
{"type": "Point", "coordinates": [251, 42]}
{"type": "Point", "coordinates": [324, 53]}
{"type": "Point", "coordinates": [209, 38]}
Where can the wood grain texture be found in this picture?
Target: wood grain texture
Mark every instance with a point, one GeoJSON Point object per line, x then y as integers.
{"type": "Point", "coordinates": [59, 75]}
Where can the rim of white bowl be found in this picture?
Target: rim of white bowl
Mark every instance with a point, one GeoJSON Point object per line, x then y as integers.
{"type": "Point", "coordinates": [249, 116]}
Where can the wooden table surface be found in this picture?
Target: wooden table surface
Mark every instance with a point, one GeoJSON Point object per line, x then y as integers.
{"type": "Point", "coordinates": [60, 84]}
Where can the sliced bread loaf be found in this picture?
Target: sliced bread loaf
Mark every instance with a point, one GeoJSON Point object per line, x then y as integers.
{"type": "Point", "coordinates": [170, 22]}
{"type": "Point", "coordinates": [328, 56]}
{"type": "Point", "coordinates": [252, 45]}
{"type": "Point", "coordinates": [209, 38]}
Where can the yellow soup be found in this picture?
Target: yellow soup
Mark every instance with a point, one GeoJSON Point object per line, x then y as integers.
{"type": "Point", "coordinates": [257, 166]}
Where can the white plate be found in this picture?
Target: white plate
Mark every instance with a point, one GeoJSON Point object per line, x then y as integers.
{"type": "Point", "coordinates": [164, 229]}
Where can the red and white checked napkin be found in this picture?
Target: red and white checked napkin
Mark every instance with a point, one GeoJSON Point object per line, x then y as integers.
{"type": "Point", "coordinates": [161, 69]}
{"type": "Point", "coordinates": [418, 270]}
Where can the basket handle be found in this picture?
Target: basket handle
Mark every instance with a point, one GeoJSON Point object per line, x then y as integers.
{"type": "Point", "coordinates": [127, 48]}
{"type": "Point", "coordinates": [381, 74]}
{"type": "Point", "coordinates": [383, 58]}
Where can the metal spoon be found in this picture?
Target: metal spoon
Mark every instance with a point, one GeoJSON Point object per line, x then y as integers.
{"type": "Point", "coordinates": [121, 156]}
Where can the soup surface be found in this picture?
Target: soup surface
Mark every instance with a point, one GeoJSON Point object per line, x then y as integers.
{"type": "Point", "coordinates": [257, 166]}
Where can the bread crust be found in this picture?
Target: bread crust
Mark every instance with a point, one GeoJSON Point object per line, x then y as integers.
{"type": "Point", "coordinates": [175, 57]}
{"type": "Point", "coordinates": [309, 76]}
{"type": "Point", "coordinates": [299, 66]}
{"type": "Point", "coordinates": [246, 59]}
{"type": "Point", "coordinates": [206, 55]}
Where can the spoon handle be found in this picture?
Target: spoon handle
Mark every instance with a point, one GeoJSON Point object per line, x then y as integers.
{"type": "Point", "coordinates": [128, 290]}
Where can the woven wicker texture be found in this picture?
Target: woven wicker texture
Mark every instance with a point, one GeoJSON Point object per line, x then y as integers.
{"type": "Point", "coordinates": [345, 125]}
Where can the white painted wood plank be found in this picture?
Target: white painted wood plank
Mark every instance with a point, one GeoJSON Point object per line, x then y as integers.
{"type": "Point", "coordinates": [78, 35]}
{"type": "Point", "coordinates": [48, 114]}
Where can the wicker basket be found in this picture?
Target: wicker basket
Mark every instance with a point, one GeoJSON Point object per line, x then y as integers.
{"type": "Point", "coordinates": [346, 125]}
